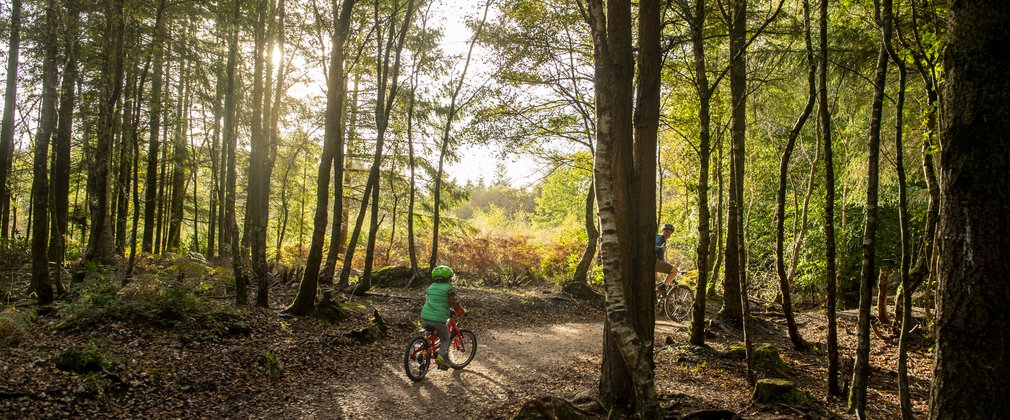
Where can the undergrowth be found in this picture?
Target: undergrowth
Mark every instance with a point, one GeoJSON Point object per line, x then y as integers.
{"type": "Point", "coordinates": [14, 325]}
{"type": "Point", "coordinates": [161, 301]}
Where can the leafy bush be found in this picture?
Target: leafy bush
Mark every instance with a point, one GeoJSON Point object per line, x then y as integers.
{"type": "Point", "coordinates": [161, 303]}
{"type": "Point", "coordinates": [14, 325]}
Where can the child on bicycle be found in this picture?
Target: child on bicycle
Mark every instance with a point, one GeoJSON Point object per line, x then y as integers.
{"type": "Point", "coordinates": [438, 307]}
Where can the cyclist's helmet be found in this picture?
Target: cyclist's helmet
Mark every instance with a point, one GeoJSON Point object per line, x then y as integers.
{"type": "Point", "coordinates": [668, 226]}
{"type": "Point", "coordinates": [441, 272]}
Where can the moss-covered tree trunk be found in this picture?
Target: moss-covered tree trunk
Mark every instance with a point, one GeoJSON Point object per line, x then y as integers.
{"type": "Point", "coordinates": [861, 370]}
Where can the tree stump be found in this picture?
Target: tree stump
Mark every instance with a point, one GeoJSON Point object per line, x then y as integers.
{"type": "Point", "coordinates": [770, 391]}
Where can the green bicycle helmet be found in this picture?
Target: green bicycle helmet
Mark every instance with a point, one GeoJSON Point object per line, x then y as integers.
{"type": "Point", "coordinates": [441, 271]}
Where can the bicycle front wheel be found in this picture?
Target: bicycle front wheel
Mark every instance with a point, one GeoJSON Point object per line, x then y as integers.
{"type": "Point", "coordinates": [415, 358]}
{"type": "Point", "coordinates": [462, 350]}
{"type": "Point", "coordinates": [677, 304]}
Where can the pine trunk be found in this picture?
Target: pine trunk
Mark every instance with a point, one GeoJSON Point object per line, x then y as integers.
{"type": "Point", "coordinates": [972, 371]}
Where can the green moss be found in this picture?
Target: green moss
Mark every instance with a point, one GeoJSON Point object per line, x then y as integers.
{"type": "Point", "coordinates": [766, 357]}
{"type": "Point", "coordinates": [771, 390]}
{"type": "Point", "coordinates": [82, 360]}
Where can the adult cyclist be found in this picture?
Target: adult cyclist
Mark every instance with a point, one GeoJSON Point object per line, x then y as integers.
{"type": "Point", "coordinates": [661, 265]}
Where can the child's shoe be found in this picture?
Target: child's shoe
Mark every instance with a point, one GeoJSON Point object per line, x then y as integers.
{"type": "Point", "coordinates": [441, 362]}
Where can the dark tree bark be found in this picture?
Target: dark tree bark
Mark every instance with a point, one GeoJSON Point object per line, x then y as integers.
{"type": "Point", "coordinates": [229, 241]}
{"type": "Point", "coordinates": [305, 300]}
{"type": "Point", "coordinates": [123, 180]}
{"type": "Point", "coordinates": [861, 370]}
{"type": "Point", "coordinates": [258, 201]}
{"type": "Point", "coordinates": [972, 370]}
{"type": "Point", "coordinates": [824, 118]}
{"type": "Point", "coordinates": [738, 135]}
{"type": "Point", "coordinates": [704, 92]}
{"type": "Point", "coordinates": [40, 284]}
{"type": "Point", "coordinates": [338, 225]}
{"type": "Point", "coordinates": [180, 160]}
{"type": "Point", "coordinates": [412, 164]}
{"type": "Point", "coordinates": [100, 240]}
{"type": "Point", "coordinates": [62, 142]}
{"type": "Point", "coordinates": [151, 181]}
{"type": "Point", "coordinates": [7, 127]}
{"type": "Point", "coordinates": [780, 202]}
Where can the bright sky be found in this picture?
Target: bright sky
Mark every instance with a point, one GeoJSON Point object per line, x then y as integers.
{"type": "Point", "coordinates": [477, 161]}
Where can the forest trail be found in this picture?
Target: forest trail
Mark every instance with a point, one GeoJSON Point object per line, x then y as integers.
{"type": "Point", "coordinates": [512, 364]}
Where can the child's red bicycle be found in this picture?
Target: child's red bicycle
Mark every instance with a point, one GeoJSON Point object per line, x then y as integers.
{"type": "Point", "coordinates": [423, 348]}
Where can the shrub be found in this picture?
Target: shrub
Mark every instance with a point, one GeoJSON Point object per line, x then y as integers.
{"type": "Point", "coordinates": [14, 325]}
{"type": "Point", "coordinates": [147, 299]}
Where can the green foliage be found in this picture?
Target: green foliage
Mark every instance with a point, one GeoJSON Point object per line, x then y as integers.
{"type": "Point", "coordinates": [561, 198]}
{"type": "Point", "coordinates": [166, 304]}
{"type": "Point", "coordinates": [14, 325]}
{"type": "Point", "coordinates": [83, 360]}
{"type": "Point", "coordinates": [272, 364]}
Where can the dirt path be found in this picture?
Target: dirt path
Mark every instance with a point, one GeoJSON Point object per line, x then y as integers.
{"type": "Point", "coordinates": [511, 364]}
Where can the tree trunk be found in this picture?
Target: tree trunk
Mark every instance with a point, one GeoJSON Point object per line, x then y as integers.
{"type": "Point", "coordinates": [388, 78]}
{"type": "Point", "coordinates": [972, 370]}
{"type": "Point", "coordinates": [40, 284]}
{"type": "Point", "coordinates": [100, 240]}
{"type": "Point", "coordinates": [625, 189]}
{"type": "Point", "coordinates": [824, 117]}
{"type": "Point", "coordinates": [229, 241]}
{"type": "Point", "coordinates": [338, 225]}
{"type": "Point", "coordinates": [7, 127]}
{"type": "Point", "coordinates": [62, 143]}
{"type": "Point", "coordinates": [258, 182]}
{"type": "Point", "coordinates": [305, 300]}
{"type": "Point", "coordinates": [780, 207]}
{"type": "Point", "coordinates": [180, 158]}
{"type": "Point", "coordinates": [122, 186]}
{"type": "Point", "coordinates": [906, 258]}
{"type": "Point", "coordinates": [861, 370]}
{"type": "Point", "coordinates": [592, 236]}
{"type": "Point", "coordinates": [704, 92]}
{"type": "Point", "coordinates": [151, 181]}
{"type": "Point", "coordinates": [412, 193]}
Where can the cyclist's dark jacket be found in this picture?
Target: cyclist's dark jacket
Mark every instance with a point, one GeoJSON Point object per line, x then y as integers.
{"type": "Point", "coordinates": [660, 241]}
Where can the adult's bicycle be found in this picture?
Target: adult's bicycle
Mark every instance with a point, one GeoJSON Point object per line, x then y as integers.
{"type": "Point", "coordinates": [674, 300]}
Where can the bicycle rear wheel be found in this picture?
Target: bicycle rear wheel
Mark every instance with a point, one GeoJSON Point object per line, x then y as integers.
{"type": "Point", "coordinates": [677, 303]}
{"type": "Point", "coordinates": [415, 358]}
{"type": "Point", "coordinates": [463, 349]}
